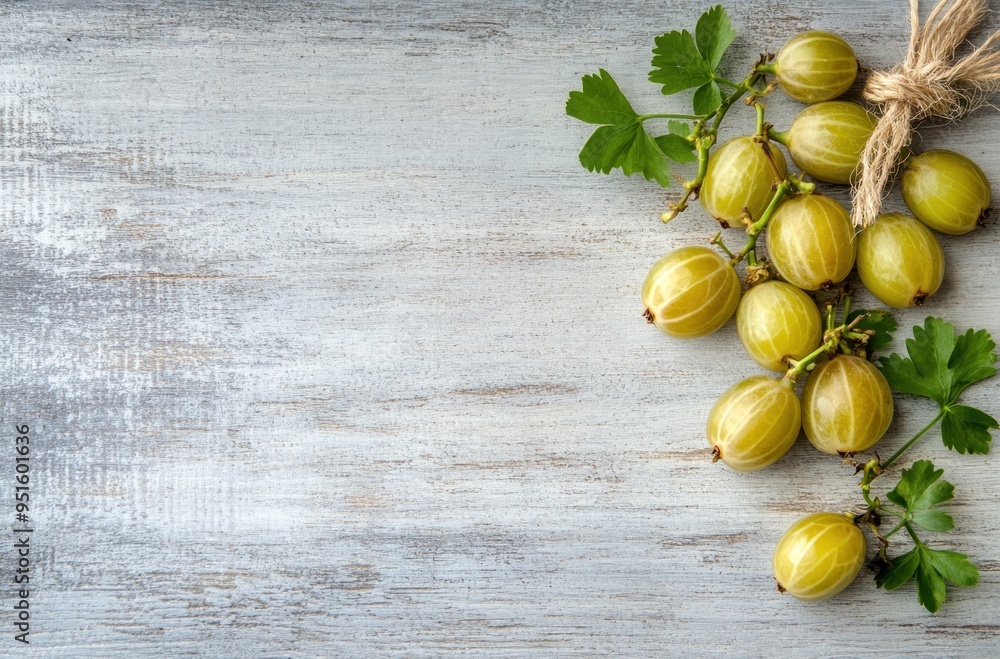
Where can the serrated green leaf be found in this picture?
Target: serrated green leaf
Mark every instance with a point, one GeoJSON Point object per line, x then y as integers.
{"type": "Point", "coordinates": [681, 128]}
{"type": "Point", "coordinates": [931, 589]}
{"type": "Point", "coordinates": [940, 366]}
{"type": "Point", "coordinates": [622, 143]}
{"type": "Point", "coordinates": [953, 566]}
{"type": "Point", "coordinates": [935, 494]}
{"type": "Point", "coordinates": [707, 98]}
{"type": "Point", "coordinates": [899, 571]}
{"type": "Point", "coordinates": [911, 492]}
{"type": "Point", "coordinates": [934, 520]}
{"type": "Point", "coordinates": [676, 148]}
{"type": "Point", "coordinates": [896, 497]}
{"type": "Point", "coordinates": [628, 148]}
{"type": "Point", "coordinates": [902, 376]}
{"type": "Point", "coordinates": [879, 321]}
{"type": "Point", "coordinates": [920, 489]}
{"type": "Point", "coordinates": [930, 351]}
{"type": "Point", "coordinates": [929, 568]}
{"type": "Point", "coordinates": [713, 34]}
{"type": "Point", "coordinates": [678, 64]}
{"type": "Point", "coordinates": [600, 102]}
{"type": "Point", "coordinates": [972, 360]}
{"type": "Point", "coordinates": [967, 430]}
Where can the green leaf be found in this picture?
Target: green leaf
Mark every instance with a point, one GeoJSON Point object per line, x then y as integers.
{"type": "Point", "coordinates": [600, 102]}
{"type": "Point", "coordinates": [899, 571]}
{"type": "Point", "coordinates": [878, 321]}
{"type": "Point", "coordinates": [679, 128]}
{"type": "Point", "coordinates": [953, 566]}
{"type": "Point", "coordinates": [930, 350]}
{"type": "Point", "coordinates": [934, 495]}
{"type": "Point", "coordinates": [934, 520]}
{"type": "Point", "coordinates": [944, 364]}
{"type": "Point", "coordinates": [967, 430]}
{"type": "Point", "coordinates": [931, 589]}
{"type": "Point", "coordinates": [941, 366]}
{"type": "Point", "coordinates": [902, 376]}
{"type": "Point", "coordinates": [930, 568]}
{"type": "Point", "coordinates": [629, 148]}
{"type": "Point", "coordinates": [918, 488]}
{"type": "Point", "coordinates": [707, 98]}
{"type": "Point", "coordinates": [678, 64]}
{"type": "Point", "coordinates": [714, 33]}
{"type": "Point", "coordinates": [622, 143]}
{"type": "Point", "coordinates": [971, 361]}
{"type": "Point", "coordinates": [676, 148]}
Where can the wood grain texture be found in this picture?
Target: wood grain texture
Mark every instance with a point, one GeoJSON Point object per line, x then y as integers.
{"type": "Point", "coordinates": [332, 348]}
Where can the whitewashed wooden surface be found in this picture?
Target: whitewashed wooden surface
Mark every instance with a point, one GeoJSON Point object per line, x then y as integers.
{"type": "Point", "coordinates": [330, 347]}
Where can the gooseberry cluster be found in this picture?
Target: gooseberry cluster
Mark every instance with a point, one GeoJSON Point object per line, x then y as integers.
{"type": "Point", "coordinates": [794, 318]}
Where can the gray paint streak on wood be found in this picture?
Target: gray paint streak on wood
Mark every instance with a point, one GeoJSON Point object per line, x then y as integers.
{"type": "Point", "coordinates": [332, 348]}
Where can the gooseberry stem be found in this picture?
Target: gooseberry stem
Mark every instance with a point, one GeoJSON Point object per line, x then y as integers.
{"type": "Point", "coordinates": [717, 241]}
{"type": "Point", "coordinates": [703, 144]}
{"type": "Point", "coordinates": [801, 365]}
{"type": "Point", "coordinates": [831, 342]}
{"type": "Point", "coordinates": [923, 431]}
{"type": "Point", "coordinates": [770, 67]}
{"type": "Point", "coordinates": [760, 119]}
{"type": "Point", "coordinates": [778, 136]}
{"type": "Point", "coordinates": [704, 138]}
{"type": "Point", "coordinates": [870, 470]}
{"type": "Point", "coordinates": [756, 227]}
{"type": "Point", "coordinates": [741, 90]}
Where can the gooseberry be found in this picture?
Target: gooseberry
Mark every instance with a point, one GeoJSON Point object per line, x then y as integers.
{"type": "Point", "coordinates": [776, 321]}
{"type": "Point", "coordinates": [826, 140]}
{"type": "Point", "coordinates": [815, 66]}
{"type": "Point", "coordinates": [810, 239]}
{"type": "Point", "coordinates": [945, 190]}
{"type": "Point", "coordinates": [899, 260]}
{"type": "Point", "coordinates": [740, 176]}
{"type": "Point", "coordinates": [846, 405]}
{"type": "Point", "coordinates": [691, 292]}
{"type": "Point", "coordinates": [819, 556]}
{"type": "Point", "coordinates": [754, 422]}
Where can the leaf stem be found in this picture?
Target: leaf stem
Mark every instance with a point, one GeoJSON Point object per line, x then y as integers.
{"type": "Point", "coordinates": [662, 115]}
{"type": "Point", "coordinates": [913, 534]}
{"type": "Point", "coordinates": [895, 529]}
{"type": "Point", "coordinates": [727, 81]}
{"type": "Point", "coordinates": [895, 456]}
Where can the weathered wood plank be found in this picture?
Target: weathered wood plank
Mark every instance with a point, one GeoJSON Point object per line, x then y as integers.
{"type": "Point", "coordinates": [332, 348]}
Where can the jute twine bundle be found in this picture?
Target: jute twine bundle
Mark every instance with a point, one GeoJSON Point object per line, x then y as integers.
{"type": "Point", "coordinates": [931, 83]}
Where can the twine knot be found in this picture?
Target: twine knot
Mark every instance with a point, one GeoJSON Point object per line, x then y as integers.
{"type": "Point", "coordinates": [928, 93]}
{"type": "Point", "coordinates": [930, 83]}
